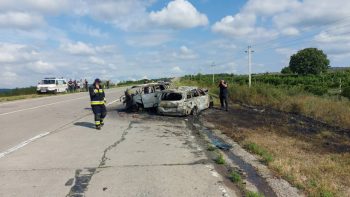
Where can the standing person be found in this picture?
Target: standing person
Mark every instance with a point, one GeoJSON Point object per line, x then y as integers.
{"type": "Point", "coordinates": [86, 85]}
{"type": "Point", "coordinates": [107, 84]}
{"type": "Point", "coordinates": [75, 85]}
{"type": "Point", "coordinates": [223, 94]}
{"type": "Point", "coordinates": [97, 96]}
{"type": "Point", "coordinates": [70, 85]}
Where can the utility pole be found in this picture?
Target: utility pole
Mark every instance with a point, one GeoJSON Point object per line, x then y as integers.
{"type": "Point", "coordinates": [250, 51]}
{"type": "Point", "coordinates": [212, 66]}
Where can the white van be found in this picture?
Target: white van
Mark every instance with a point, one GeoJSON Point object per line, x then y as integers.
{"type": "Point", "coordinates": [52, 85]}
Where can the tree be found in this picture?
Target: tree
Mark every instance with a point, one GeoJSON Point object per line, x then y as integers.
{"type": "Point", "coordinates": [309, 61]}
{"type": "Point", "coordinates": [286, 70]}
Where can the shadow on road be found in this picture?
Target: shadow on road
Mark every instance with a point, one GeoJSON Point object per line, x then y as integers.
{"type": "Point", "coordinates": [85, 124]}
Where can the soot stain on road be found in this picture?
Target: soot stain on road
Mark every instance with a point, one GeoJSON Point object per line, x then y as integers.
{"type": "Point", "coordinates": [83, 176]}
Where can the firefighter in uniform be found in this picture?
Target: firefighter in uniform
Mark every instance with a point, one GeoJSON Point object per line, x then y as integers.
{"type": "Point", "coordinates": [97, 96]}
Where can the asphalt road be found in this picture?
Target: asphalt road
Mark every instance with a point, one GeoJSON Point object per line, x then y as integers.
{"type": "Point", "coordinates": [48, 147]}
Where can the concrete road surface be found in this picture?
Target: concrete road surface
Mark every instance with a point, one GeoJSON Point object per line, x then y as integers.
{"type": "Point", "coordinates": [49, 147]}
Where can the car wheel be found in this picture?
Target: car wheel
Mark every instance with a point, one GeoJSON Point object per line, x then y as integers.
{"type": "Point", "coordinates": [211, 104]}
{"type": "Point", "coordinates": [195, 111]}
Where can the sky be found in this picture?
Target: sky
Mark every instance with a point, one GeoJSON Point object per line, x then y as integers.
{"type": "Point", "coordinates": [134, 39]}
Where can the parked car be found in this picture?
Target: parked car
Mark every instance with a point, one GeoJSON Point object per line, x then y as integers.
{"type": "Point", "coordinates": [144, 96]}
{"type": "Point", "coordinates": [184, 101]}
{"type": "Point", "coordinates": [52, 85]}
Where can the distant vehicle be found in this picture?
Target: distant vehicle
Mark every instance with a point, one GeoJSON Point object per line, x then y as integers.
{"type": "Point", "coordinates": [144, 96]}
{"type": "Point", "coordinates": [184, 101]}
{"type": "Point", "coordinates": [52, 85]}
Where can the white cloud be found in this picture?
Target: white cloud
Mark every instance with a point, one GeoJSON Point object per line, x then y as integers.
{"type": "Point", "coordinates": [96, 60]}
{"type": "Point", "coordinates": [238, 25]}
{"type": "Point", "coordinates": [176, 69]}
{"type": "Point", "coordinates": [149, 39]}
{"type": "Point", "coordinates": [269, 7]}
{"type": "Point", "coordinates": [185, 54]}
{"type": "Point", "coordinates": [42, 6]}
{"type": "Point", "coordinates": [8, 78]}
{"type": "Point", "coordinates": [313, 13]}
{"type": "Point", "coordinates": [13, 53]}
{"type": "Point", "coordinates": [88, 30]}
{"type": "Point", "coordinates": [124, 14]}
{"type": "Point", "coordinates": [179, 14]}
{"type": "Point", "coordinates": [42, 67]}
{"type": "Point", "coordinates": [20, 20]}
{"type": "Point", "coordinates": [78, 48]}
{"type": "Point", "coordinates": [290, 31]}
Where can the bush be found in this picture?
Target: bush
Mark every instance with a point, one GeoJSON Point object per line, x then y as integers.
{"type": "Point", "coordinates": [346, 92]}
{"type": "Point", "coordinates": [220, 159]}
{"type": "Point", "coordinates": [254, 194]}
{"type": "Point", "coordinates": [235, 177]}
{"type": "Point", "coordinates": [286, 70]}
{"type": "Point", "coordinates": [317, 90]}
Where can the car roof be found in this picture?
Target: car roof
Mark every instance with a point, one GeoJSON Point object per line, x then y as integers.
{"type": "Point", "coordinates": [149, 85]}
{"type": "Point", "coordinates": [181, 89]}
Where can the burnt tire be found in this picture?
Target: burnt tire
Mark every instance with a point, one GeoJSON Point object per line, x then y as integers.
{"type": "Point", "coordinates": [195, 111]}
{"type": "Point", "coordinates": [211, 104]}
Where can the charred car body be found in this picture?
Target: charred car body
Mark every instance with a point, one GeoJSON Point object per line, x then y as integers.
{"type": "Point", "coordinates": [184, 101]}
{"type": "Point", "coordinates": [144, 96]}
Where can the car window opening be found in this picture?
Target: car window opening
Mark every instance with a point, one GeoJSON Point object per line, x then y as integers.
{"type": "Point", "coordinates": [171, 97]}
{"type": "Point", "coordinates": [48, 81]}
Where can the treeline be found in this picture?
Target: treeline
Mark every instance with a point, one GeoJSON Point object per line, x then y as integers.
{"type": "Point", "coordinates": [142, 81]}
{"type": "Point", "coordinates": [19, 91]}
{"type": "Point", "coordinates": [329, 83]}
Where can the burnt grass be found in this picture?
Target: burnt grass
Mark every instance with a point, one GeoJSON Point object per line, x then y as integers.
{"type": "Point", "coordinates": [324, 138]}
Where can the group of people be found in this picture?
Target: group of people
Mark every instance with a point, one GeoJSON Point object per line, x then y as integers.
{"type": "Point", "coordinates": [77, 85]}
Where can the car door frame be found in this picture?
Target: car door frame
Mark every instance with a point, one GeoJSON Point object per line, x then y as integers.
{"type": "Point", "coordinates": [150, 100]}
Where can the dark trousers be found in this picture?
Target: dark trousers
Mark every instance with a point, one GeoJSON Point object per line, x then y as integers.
{"type": "Point", "coordinates": [100, 113]}
{"type": "Point", "coordinates": [223, 101]}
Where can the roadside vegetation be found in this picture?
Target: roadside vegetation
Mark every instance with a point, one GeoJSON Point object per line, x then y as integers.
{"type": "Point", "coordinates": [291, 138]}
{"type": "Point", "coordinates": [18, 93]}
{"type": "Point", "coordinates": [274, 91]}
{"type": "Point", "coordinates": [220, 159]}
{"type": "Point", "coordinates": [142, 81]}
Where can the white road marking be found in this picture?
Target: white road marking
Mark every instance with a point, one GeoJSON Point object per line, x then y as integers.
{"type": "Point", "coordinates": [40, 106]}
{"type": "Point", "coordinates": [39, 98]}
{"type": "Point", "coordinates": [23, 144]}
{"type": "Point", "coordinates": [3, 154]}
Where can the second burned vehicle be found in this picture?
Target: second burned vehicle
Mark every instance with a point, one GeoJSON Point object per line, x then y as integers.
{"type": "Point", "coordinates": [184, 101]}
{"type": "Point", "coordinates": [144, 96]}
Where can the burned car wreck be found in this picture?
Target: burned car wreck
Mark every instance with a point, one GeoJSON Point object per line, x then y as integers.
{"type": "Point", "coordinates": [144, 96]}
{"type": "Point", "coordinates": [184, 101]}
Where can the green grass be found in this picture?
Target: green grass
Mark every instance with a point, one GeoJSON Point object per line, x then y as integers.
{"type": "Point", "coordinates": [254, 194]}
{"type": "Point", "coordinates": [20, 97]}
{"type": "Point", "coordinates": [256, 149]}
{"type": "Point", "coordinates": [220, 159]}
{"type": "Point", "coordinates": [235, 177]}
{"type": "Point", "coordinates": [211, 148]}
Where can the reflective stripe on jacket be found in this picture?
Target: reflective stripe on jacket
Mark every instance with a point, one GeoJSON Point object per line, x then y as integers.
{"type": "Point", "coordinates": [97, 96]}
